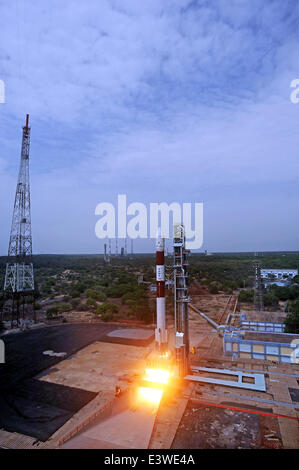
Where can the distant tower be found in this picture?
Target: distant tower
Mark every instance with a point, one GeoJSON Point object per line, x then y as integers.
{"type": "Point", "coordinates": [258, 288]}
{"type": "Point", "coordinates": [106, 255]}
{"type": "Point", "coordinates": [125, 247]}
{"type": "Point", "coordinates": [19, 279]}
{"type": "Point", "coordinates": [109, 248]}
{"type": "Point", "coordinates": [116, 247]}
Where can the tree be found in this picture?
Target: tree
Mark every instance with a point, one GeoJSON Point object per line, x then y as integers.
{"type": "Point", "coordinates": [75, 292]}
{"type": "Point", "coordinates": [270, 300]}
{"type": "Point", "coordinates": [246, 295]}
{"type": "Point", "coordinates": [107, 307]}
{"type": "Point", "coordinates": [75, 303]}
{"type": "Point", "coordinates": [51, 312]}
{"type": "Point", "coordinates": [292, 323]}
{"type": "Point", "coordinates": [64, 308]}
{"type": "Point", "coordinates": [213, 289]}
{"type": "Point", "coordinates": [106, 316]}
{"type": "Point", "coordinates": [91, 303]}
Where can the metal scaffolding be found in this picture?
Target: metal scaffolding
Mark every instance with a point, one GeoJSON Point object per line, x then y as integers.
{"type": "Point", "coordinates": [181, 299]}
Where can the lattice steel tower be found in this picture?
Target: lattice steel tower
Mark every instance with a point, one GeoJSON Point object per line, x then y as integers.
{"type": "Point", "coordinates": [258, 288]}
{"type": "Point", "coordinates": [181, 299]}
{"type": "Point", "coordinates": [19, 278]}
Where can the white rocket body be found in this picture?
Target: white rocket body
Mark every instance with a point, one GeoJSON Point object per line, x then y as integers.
{"type": "Point", "coordinates": [160, 332]}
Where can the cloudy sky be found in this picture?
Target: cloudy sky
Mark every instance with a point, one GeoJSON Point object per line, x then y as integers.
{"type": "Point", "coordinates": [161, 100]}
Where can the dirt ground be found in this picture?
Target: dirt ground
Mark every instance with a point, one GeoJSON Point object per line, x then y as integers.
{"type": "Point", "coordinates": [253, 315]}
{"type": "Point", "coordinates": [211, 305]}
{"type": "Point", "coordinates": [207, 427]}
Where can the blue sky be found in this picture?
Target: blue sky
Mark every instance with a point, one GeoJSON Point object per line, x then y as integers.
{"type": "Point", "coordinates": [163, 100]}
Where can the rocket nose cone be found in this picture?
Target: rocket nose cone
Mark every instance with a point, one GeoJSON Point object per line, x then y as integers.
{"type": "Point", "coordinates": [158, 233]}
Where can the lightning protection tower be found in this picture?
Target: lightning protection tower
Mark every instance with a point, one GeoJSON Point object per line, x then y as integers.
{"type": "Point", "coordinates": [258, 288]}
{"type": "Point", "coordinates": [106, 255]}
{"type": "Point", "coordinates": [109, 249]}
{"type": "Point", "coordinates": [19, 279]}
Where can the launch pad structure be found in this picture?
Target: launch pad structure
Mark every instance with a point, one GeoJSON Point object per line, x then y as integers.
{"type": "Point", "coordinates": [181, 299]}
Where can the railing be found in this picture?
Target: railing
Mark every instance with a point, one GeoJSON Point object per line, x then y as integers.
{"type": "Point", "coordinates": [264, 326]}
{"type": "Point", "coordinates": [264, 350]}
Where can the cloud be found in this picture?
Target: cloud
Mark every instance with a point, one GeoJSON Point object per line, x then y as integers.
{"type": "Point", "coordinates": [163, 100]}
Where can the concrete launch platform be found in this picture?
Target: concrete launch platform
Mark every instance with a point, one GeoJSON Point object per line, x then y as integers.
{"type": "Point", "coordinates": [132, 333]}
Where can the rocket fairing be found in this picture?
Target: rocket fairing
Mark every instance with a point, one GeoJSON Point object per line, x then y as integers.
{"type": "Point", "coordinates": [160, 332]}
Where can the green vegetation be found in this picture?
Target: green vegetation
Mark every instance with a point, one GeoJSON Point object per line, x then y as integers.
{"type": "Point", "coordinates": [107, 316]}
{"type": "Point", "coordinates": [285, 293]}
{"type": "Point", "coordinates": [96, 294]}
{"type": "Point", "coordinates": [292, 319]}
{"type": "Point", "coordinates": [86, 284]}
{"type": "Point", "coordinates": [213, 289]}
{"type": "Point", "coordinates": [246, 295]}
{"type": "Point", "coordinates": [138, 301]}
{"type": "Point", "coordinates": [56, 310]}
{"type": "Point", "coordinates": [270, 300]}
{"type": "Point", "coordinates": [91, 303]}
{"type": "Point", "coordinates": [107, 307]}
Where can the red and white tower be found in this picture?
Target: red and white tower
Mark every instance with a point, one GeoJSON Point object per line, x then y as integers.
{"type": "Point", "coordinates": [160, 332]}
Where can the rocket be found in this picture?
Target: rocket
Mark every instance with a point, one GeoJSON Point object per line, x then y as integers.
{"type": "Point", "coordinates": [160, 332]}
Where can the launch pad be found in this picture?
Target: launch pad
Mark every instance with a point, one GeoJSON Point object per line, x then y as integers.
{"type": "Point", "coordinates": [164, 365]}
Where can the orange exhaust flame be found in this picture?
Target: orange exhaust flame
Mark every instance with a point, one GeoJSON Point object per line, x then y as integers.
{"type": "Point", "coordinates": [150, 395]}
{"type": "Point", "coordinates": [159, 376]}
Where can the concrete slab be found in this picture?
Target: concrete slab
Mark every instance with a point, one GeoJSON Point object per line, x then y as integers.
{"type": "Point", "coordinates": [131, 333]}
{"type": "Point", "coordinates": [129, 426]}
{"type": "Point", "coordinates": [129, 429]}
{"type": "Point", "coordinates": [99, 367]}
{"type": "Point", "coordinates": [84, 442]}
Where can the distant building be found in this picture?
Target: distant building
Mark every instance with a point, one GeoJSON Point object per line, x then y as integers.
{"type": "Point", "coordinates": [279, 274]}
